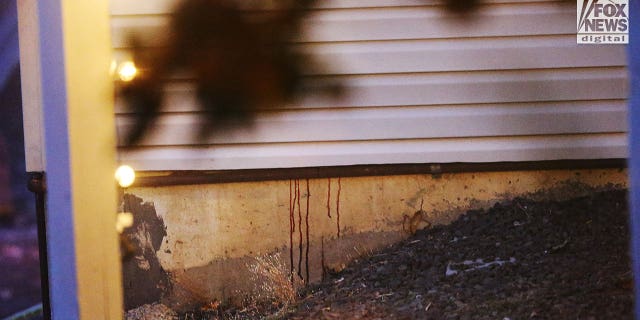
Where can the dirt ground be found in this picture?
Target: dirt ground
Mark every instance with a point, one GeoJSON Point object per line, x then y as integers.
{"type": "Point", "coordinates": [521, 259]}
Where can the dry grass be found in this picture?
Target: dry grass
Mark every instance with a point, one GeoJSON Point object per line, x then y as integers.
{"type": "Point", "coordinates": [273, 280]}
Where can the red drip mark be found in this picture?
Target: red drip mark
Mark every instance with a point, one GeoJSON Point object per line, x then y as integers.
{"type": "Point", "coordinates": [322, 263]}
{"type": "Point", "coordinates": [338, 206]}
{"type": "Point", "coordinates": [291, 226]}
{"type": "Point", "coordinates": [299, 229]}
{"type": "Point", "coordinates": [329, 197]}
{"type": "Point", "coordinates": [293, 208]}
{"type": "Point", "coordinates": [306, 261]}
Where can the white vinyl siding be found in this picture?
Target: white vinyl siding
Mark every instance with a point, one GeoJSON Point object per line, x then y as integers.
{"type": "Point", "coordinates": [507, 84]}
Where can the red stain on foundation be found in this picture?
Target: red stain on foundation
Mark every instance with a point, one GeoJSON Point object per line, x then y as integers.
{"type": "Point", "coordinates": [299, 229]}
{"type": "Point", "coordinates": [329, 197]}
{"type": "Point", "coordinates": [294, 200]}
{"type": "Point", "coordinates": [322, 261]}
{"type": "Point", "coordinates": [338, 206]}
{"type": "Point", "coordinates": [291, 225]}
{"type": "Point", "coordinates": [306, 261]}
{"type": "Point", "coordinates": [293, 208]}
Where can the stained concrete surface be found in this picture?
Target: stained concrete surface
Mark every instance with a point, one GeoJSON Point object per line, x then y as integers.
{"type": "Point", "coordinates": [144, 279]}
{"type": "Point", "coordinates": [213, 231]}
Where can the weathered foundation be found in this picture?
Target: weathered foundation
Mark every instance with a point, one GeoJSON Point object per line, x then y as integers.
{"type": "Point", "coordinates": [213, 231]}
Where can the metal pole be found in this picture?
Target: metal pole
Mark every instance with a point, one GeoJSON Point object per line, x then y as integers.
{"type": "Point", "coordinates": [38, 186]}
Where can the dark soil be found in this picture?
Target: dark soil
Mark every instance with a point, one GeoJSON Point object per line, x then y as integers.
{"type": "Point", "coordinates": [521, 259]}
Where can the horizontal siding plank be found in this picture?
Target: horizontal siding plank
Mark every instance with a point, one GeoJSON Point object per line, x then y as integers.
{"type": "Point", "coordinates": [157, 7]}
{"type": "Point", "coordinates": [467, 93]}
{"type": "Point", "coordinates": [388, 24]}
{"type": "Point", "coordinates": [467, 59]}
{"type": "Point", "coordinates": [449, 88]}
{"type": "Point", "coordinates": [336, 4]}
{"type": "Point", "coordinates": [472, 55]}
{"type": "Point", "coordinates": [399, 123]}
{"type": "Point", "coordinates": [438, 27]}
{"type": "Point", "coordinates": [128, 7]}
{"type": "Point", "coordinates": [538, 148]}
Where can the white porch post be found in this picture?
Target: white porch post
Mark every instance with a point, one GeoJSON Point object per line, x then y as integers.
{"type": "Point", "coordinates": [76, 99]}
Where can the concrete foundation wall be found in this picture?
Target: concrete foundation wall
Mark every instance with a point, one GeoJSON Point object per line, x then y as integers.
{"type": "Point", "coordinates": [209, 233]}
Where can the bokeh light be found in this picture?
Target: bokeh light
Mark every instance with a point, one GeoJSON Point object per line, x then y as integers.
{"type": "Point", "coordinates": [125, 175]}
{"type": "Point", "coordinates": [127, 71]}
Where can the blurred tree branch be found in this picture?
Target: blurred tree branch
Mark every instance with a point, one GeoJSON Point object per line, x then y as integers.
{"type": "Point", "coordinates": [240, 63]}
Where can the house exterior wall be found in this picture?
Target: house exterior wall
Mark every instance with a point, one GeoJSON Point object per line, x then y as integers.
{"type": "Point", "coordinates": [509, 84]}
{"type": "Point", "coordinates": [422, 86]}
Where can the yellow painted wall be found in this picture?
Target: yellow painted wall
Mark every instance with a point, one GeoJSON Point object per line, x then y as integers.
{"type": "Point", "coordinates": [212, 229]}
